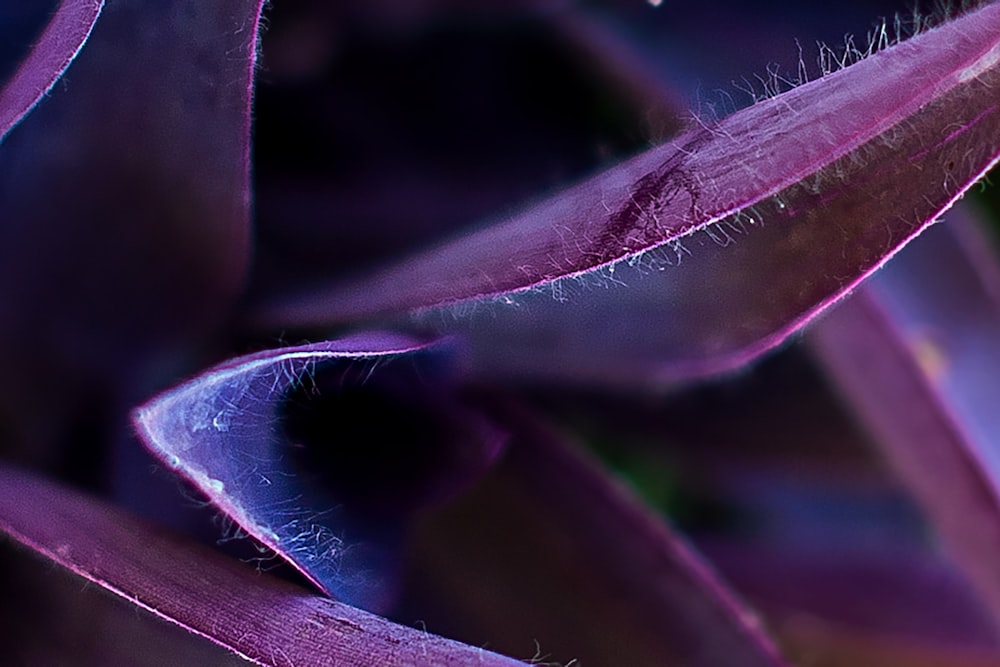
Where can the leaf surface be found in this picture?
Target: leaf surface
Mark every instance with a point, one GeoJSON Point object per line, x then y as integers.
{"type": "Point", "coordinates": [549, 548]}
{"type": "Point", "coordinates": [726, 239]}
{"type": "Point", "coordinates": [51, 55]}
{"type": "Point", "coordinates": [256, 616]}
{"type": "Point", "coordinates": [229, 432]}
{"type": "Point", "coordinates": [916, 355]}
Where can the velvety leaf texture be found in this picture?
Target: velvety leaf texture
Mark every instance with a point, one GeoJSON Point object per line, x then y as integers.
{"type": "Point", "coordinates": [831, 178]}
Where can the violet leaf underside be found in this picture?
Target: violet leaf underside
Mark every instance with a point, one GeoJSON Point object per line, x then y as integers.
{"type": "Point", "coordinates": [771, 215]}
{"type": "Point", "coordinates": [229, 432]}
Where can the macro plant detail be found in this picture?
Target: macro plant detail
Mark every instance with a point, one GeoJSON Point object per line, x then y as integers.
{"type": "Point", "coordinates": [510, 263]}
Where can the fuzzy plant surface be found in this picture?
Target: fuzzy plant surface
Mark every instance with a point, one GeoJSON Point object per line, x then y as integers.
{"type": "Point", "coordinates": [561, 332]}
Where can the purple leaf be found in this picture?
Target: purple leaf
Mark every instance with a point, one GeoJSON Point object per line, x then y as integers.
{"type": "Point", "coordinates": [820, 644]}
{"type": "Point", "coordinates": [58, 618]}
{"type": "Point", "coordinates": [51, 55]}
{"type": "Point", "coordinates": [592, 563]}
{"type": "Point", "coordinates": [232, 432]}
{"type": "Point", "coordinates": [124, 233]}
{"type": "Point", "coordinates": [349, 173]}
{"type": "Point", "coordinates": [771, 214]}
{"type": "Point", "coordinates": [133, 174]}
{"type": "Point", "coordinates": [917, 355]}
{"type": "Point", "coordinates": [882, 592]}
{"type": "Point", "coordinates": [258, 617]}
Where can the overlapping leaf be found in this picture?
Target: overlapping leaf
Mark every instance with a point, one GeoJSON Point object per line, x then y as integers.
{"type": "Point", "coordinates": [619, 585]}
{"type": "Point", "coordinates": [916, 354]}
{"type": "Point", "coordinates": [124, 209]}
{"type": "Point", "coordinates": [690, 258]}
{"type": "Point", "coordinates": [727, 238]}
{"type": "Point", "coordinates": [143, 151]}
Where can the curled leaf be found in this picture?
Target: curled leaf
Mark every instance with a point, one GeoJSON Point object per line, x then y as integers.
{"type": "Point", "coordinates": [245, 435]}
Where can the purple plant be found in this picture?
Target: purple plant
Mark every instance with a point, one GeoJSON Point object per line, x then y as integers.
{"type": "Point", "coordinates": [496, 430]}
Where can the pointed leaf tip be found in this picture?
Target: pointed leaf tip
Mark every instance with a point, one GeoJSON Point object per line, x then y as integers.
{"type": "Point", "coordinates": [245, 435]}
